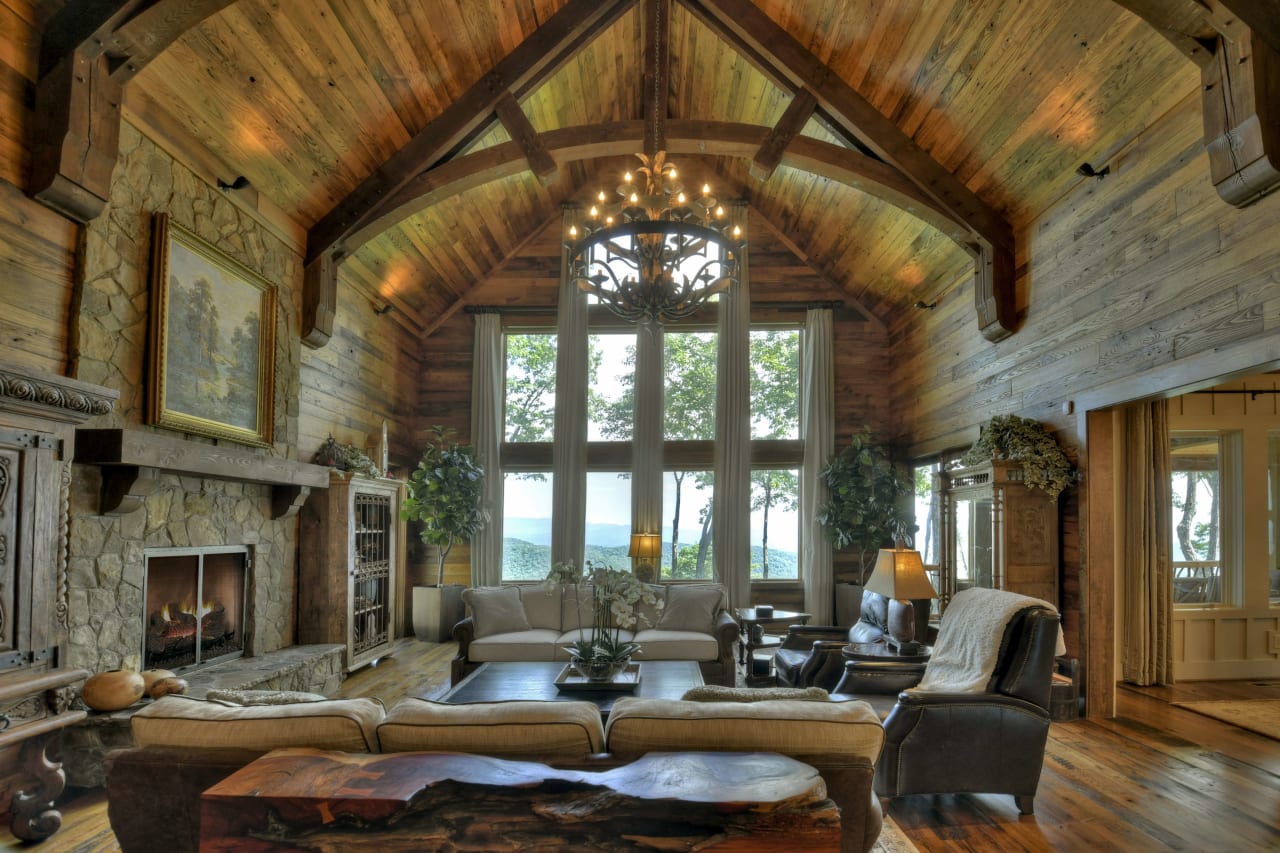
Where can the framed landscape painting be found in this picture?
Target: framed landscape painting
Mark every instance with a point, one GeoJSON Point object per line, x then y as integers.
{"type": "Point", "coordinates": [212, 355]}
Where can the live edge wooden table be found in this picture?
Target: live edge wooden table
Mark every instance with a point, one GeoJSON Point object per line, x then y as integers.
{"type": "Point", "coordinates": [503, 681]}
{"type": "Point", "coordinates": [308, 799]}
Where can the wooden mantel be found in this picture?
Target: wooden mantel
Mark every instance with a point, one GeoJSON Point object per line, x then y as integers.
{"type": "Point", "coordinates": [130, 458]}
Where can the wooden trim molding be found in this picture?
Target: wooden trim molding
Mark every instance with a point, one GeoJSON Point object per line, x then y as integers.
{"type": "Point", "coordinates": [59, 398]}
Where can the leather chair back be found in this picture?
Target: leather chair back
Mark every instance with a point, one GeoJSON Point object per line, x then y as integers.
{"type": "Point", "coordinates": [1025, 666]}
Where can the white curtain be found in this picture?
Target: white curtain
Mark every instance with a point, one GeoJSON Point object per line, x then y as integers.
{"type": "Point", "coordinates": [817, 428]}
{"type": "Point", "coordinates": [569, 447]}
{"type": "Point", "coordinates": [486, 437]}
{"type": "Point", "coordinates": [731, 509]}
{"type": "Point", "coordinates": [647, 437]}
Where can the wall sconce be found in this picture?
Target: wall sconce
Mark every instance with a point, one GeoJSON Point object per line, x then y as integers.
{"type": "Point", "coordinates": [926, 306]}
{"type": "Point", "coordinates": [384, 309]}
{"type": "Point", "coordinates": [1086, 170]}
{"type": "Point", "coordinates": [239, 183]}
{"type": "Point", "coordinates": [645, 548]}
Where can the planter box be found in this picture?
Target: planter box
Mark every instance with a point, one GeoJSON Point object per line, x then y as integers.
{"type": "Point", "coordinates": [436, 609]}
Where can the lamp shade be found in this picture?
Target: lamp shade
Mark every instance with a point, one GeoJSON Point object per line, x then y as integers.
{"type": "Point", "coordinates": [900, 573]}
{"type": "Point", "coordinates": [645, 545]}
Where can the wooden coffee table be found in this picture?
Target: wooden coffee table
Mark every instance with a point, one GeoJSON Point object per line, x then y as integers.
{"type": "Point", "coordinates": [504, 681]}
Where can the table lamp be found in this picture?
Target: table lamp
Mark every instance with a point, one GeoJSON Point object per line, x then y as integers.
{"type": "Point", "coordinates": [645, 547]}
{"type": "Point", "coordinates": [899, 575]}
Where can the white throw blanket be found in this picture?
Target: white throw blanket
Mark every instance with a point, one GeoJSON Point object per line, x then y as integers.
{"type": "Point", "coordinates": [964, 656]}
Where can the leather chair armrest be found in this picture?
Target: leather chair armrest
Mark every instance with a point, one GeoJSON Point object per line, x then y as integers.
{"type": "Point", "coordinates": [918, 699]}
{"type": "Point", "coordinates": [803, 636]}
{"type": "Point", "coordinates": [879, 677]}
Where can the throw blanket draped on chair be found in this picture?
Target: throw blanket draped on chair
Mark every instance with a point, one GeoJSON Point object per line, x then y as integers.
{"type": "Point", "coordinates": [964, 656]}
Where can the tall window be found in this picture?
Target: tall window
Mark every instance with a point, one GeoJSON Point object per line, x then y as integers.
{"type": "Point", "coordinates": [1273, 517]}
{"type": "Point", "coordinates": [1197, 491]}
{"type": "Point", "coordinates": [689, 410]}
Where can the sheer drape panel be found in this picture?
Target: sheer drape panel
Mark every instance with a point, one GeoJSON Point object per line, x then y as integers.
{"type": "Point", "coordinates": [1147, 568]}
{"type": "Point", "coordinates": [569, 447]}
{"type": "Point", "coordinates": [731, 520]}
{"type": "Point", "coordinates": [487, 369]}
{"type": "Point", "coordinates": [647, 437]}
{"type": "Point", "coordinates": [817, 428]}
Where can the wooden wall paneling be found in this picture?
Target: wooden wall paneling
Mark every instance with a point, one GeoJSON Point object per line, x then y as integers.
{"type": "Point", "coordinates": [37, 263]}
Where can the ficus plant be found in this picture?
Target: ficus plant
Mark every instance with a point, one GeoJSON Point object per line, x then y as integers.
{"type": "Point", "coordinates": [444, 494]}
{"type": "Point", "coordinates": [870, 499]}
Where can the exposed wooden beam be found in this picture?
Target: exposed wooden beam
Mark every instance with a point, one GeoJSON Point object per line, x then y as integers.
{"type": "Point", "coordinates": [523, 135]}
{"type": "Point", "coordinates": [787, 128]}
{"type": "Point", "coordinates": [529, 61]}
{"type": "Point", "coordinates": [991, 232]}
{"type": "Point", "coordinates": [683, 137]}
{"type": "Point", "coordinates": [89, 51]}
{"type": "Point", "coordinates": [657, 73]}
{"type": "Point", "coordinates": [1236, 43]}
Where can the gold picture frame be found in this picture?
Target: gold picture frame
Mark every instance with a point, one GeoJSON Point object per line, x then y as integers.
{"type": "Point", "coordinates": [212, 350]}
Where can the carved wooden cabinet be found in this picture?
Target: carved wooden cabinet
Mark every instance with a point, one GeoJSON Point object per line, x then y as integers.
{"type": "Point", "coordinates": [351, 553]}
{"type": "Point", "coordinates": [997, 532]}
{"type": "Point", "coordinates": [38, 413]}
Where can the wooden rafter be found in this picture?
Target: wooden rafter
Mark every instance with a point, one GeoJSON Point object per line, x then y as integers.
{"type": "Point", "coordinates": [786, 59]}
{"type": "Point", "coordinates": [1236, 43]}
{"type": "Point", "coordinates": [525, 136]}
{"type": "Point", "coordinates": [786, 130]}
{"type": "Point", "coordinates": [89, 51]}
{"type": "Point", "coordinates": [684, 136]}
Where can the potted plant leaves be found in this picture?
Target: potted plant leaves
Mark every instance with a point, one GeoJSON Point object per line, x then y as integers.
{"type": "Point", "coordinates": [444, 498]}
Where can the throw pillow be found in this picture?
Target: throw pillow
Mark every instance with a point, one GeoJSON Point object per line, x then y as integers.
{"type": "Point", "coordinates": [496, 610]}
{"type": "Point", "coordinates": [690, 608]}
{"type": "Point", "coordinates": [263, 697]}
{"type": "Point", "coordinates": [720, 693]}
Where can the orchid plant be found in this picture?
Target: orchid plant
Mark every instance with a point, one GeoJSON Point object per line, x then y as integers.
{"type": "Point", "coordinates": [616, 596]}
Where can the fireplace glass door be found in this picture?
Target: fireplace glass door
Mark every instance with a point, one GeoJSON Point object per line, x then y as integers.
{"type": "Point", "coordinates": [195, 607]}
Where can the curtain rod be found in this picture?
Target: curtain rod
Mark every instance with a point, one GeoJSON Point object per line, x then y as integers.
{"type": "Point", "coordinates": [1253, 395]}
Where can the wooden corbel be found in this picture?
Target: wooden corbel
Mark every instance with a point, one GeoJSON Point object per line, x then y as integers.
{"type": "Point", "coordinates": [125, 488]}
{"type": "Point", "coordinates": [1240, 92]}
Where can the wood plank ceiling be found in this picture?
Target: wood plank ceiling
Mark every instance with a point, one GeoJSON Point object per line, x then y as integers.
{"type": "Point", "coordinates": [308, 99]}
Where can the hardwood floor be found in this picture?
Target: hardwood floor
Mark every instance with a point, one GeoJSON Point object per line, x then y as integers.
{"type": "Point", "coordinates": [1156, 777]}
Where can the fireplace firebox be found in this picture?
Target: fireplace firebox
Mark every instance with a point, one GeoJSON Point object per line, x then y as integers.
{"type": "Point", "coordinates": [195, 606]}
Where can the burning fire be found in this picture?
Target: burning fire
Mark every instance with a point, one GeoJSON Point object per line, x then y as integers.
{"type": "Point", "coordinates": [189, 608]}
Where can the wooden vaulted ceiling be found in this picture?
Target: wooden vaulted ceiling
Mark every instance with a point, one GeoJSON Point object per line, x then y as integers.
{"type": "Point", "coordinates": [422, 144]}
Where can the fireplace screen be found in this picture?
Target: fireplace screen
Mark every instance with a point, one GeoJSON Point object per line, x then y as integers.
{"type": "Point", "coordinates": [195, 607]}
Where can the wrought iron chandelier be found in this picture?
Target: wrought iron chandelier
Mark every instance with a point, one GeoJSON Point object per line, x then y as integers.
{"type": "Point", "coordinates": [654, 253]}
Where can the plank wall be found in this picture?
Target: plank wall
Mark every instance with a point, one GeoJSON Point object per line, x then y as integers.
{"type": "Point", "coordinates": [1131, 276]}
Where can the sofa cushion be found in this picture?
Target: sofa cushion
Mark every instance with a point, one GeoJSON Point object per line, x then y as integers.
{"type": "Point", "coordinates": [534, 644]}
{"type": "Point", "coordinates": [553, 729]}
{"type": "Point", "coordinates": [649, 615]}
{"type": "Point", "coordinates": [676, 645]}
{"type": "Point", "coordinates": [577, 607]}
{"type": "Point", "coordinates": [787, 726]}
{"type": "Point", "coordinates": [720, 693]}
{"type": "Point", "coordinates": [691, 607]}
{"type": "Point", "coordinates": [495, 610]}
{"type": "Point", "coordinates": [542, 605]}
{"type": "Point", "coordinates": [348, 725]}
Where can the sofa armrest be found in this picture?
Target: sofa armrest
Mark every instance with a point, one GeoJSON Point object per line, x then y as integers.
{"type": "Point", "coordinates": [464, 632]}
{"type": "Point", "coordinates": [726, 631]}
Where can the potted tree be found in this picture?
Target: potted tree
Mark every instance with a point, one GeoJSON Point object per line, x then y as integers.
{"type": "Point", "coordinates": [869, 508]}
{"type": "Point", "coordinates": [443, 496]}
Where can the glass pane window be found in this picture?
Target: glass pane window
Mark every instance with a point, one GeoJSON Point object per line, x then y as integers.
{"type": "Point", "coordinates": [775, 524]}
{"type": "Point", "coordinates": [689, 398]}
{"type": "Point", "coordinates": [526, 526]}
{"type": "Point", "coordinates": [608, 533]}
{"type": "Point", "coordinates": [686, 513]}
{"type": "Point", "coordinates": [1196, 489]}
{"type": "Point", "coordinates": [775, 383]}
{"type": "Point", "coordinates": [529, 393]}
{"type": "Point", "coordinates": [612, 387]}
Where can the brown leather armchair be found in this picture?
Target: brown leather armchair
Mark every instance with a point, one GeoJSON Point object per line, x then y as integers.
{"type": "Point", "coordinates": [987, 742]}
{"type": "Point", "coordinates": [810, 654]}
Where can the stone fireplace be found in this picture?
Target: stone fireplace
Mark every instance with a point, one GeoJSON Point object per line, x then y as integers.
{"type": "Point", "coordinates": [194, 611]}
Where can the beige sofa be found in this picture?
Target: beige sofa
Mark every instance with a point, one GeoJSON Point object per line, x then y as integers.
{"type": "Point", "coordinates": [184, 746]}
{"type": "Point", "coordinates": [536, 623]}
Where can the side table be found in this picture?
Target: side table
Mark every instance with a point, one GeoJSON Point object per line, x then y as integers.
{"type": "Point", "coordinates": [753, 625]}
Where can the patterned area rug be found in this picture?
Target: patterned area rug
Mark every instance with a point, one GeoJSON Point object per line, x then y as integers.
{"type": "Point", "coordinates": [892, 839]}
{"type": "Point", "coordinates": [1256, 715]}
